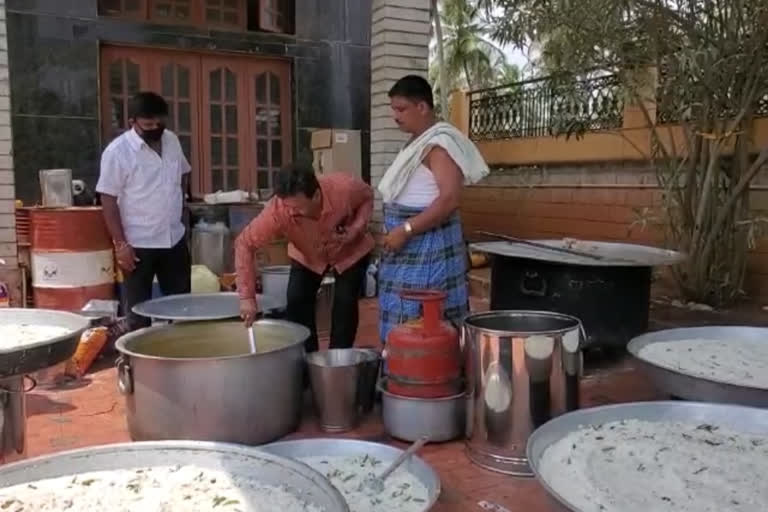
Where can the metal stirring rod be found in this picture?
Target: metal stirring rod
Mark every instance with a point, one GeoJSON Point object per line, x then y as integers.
{"type": "Point", "coordinates": [251, 339]}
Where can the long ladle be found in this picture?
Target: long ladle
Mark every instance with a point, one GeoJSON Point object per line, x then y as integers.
{"type": "Point", "coordinates": [547, 247]}
{"type": "Point", "coordinates": [375, 484]}
{"type": "Point", "coordinates": [251, 339]}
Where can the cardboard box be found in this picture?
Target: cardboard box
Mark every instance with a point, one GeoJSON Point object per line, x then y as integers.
{"type": "Point", "coordinates": [337, 151]}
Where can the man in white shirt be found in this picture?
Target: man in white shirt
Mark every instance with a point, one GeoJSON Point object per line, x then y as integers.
{"type": "Point", "coordinates": [143, 183]}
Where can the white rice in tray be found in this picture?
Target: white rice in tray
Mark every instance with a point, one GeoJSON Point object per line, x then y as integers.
{"type": "Point", "coordinates": [737, 361]}
{"type": "Point", "coordinates": [14, 336]}
{"type": "Point", "coordinates": [403, 492]}
{"type": "Point", "coordinates": [155, 489]}
{"type": "Point", "coordinates": [641, 466]}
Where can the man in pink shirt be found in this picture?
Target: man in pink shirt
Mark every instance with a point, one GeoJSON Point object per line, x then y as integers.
{"type": "Point", "coordinates": [325, 220]}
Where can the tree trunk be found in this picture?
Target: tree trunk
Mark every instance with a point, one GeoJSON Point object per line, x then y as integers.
{"type": "Point", "coordinates": [440, 60]}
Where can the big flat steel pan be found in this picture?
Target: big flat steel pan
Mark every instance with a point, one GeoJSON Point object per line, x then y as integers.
{"type": "Point", "coordinates": [32, 357]}
{"type": "Point", "coordinates": [234, 459]}
{"type": "Point", "coordinates": [692, 387]}
{"type": "Point", "coordinates": [199, 307]}
{"type": "Point", "coordinates": [749, 420]}
{"type": "Point", "coordinates": [328, 447]}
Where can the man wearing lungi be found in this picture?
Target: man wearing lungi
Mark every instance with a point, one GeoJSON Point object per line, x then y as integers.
{"type": "Point", "coordinates": [424, 244]}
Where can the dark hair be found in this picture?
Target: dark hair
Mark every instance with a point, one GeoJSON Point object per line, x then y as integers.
{"type": "Point", "coordinates": [295, 179]}
{"type": "Point", "coordinates": [414, 88]}
{"type": "Point", "coordinates": [147, 105]}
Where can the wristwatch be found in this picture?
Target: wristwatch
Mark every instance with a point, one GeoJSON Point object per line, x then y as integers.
{"type": "Point", "coordinates": [408, 228]}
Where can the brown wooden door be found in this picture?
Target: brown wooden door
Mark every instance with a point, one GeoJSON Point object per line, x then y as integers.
{"type": "Point", "coordinates": [224, 123]}
{"type": "Point", "coordinates": [232, 114]}
{"type": "Point", "coordinates": [176, 76]}
{"type": "Point", "coordinates": [270, 127]}
{"type": "Point", "coordinates": [123, 74]}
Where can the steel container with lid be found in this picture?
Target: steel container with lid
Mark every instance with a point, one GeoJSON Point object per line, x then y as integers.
{"type": "Point", "coordinates": [522, 369]}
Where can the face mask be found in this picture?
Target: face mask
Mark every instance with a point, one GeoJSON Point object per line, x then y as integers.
{"type": "Point", "coordinates": [153, 135]}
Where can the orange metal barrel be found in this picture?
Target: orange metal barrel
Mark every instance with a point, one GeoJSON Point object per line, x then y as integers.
{"type": "Point", "coordinates": [424, 357]}
{"type": "Point", "coordinates": [72, 257]}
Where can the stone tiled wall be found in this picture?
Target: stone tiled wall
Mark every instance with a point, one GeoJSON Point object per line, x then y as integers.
{"type": "Point", "coordinates": [7, 195]}
{"type": "Point", "coordinates": [399, 46]}
{"type": "Point", "coordinates": [9, 273]}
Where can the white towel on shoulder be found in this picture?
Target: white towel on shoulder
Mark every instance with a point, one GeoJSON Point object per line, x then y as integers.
{"type": "Point", "coordinates": [461, 150]}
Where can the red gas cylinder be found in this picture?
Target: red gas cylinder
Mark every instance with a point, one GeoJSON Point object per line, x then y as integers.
{"type": "Point", "coordinates": [424, 356]}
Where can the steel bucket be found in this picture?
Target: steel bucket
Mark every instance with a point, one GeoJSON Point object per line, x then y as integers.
{"type": "Point", "coordinates": [522, 369]}
{"type": "Point", "coordinates": [343, 386]}
{"type": "Point", "coordinates": [274, 282]}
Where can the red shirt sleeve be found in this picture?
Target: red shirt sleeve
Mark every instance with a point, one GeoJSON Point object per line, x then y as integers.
{"type": "Point", "coordinates": [261, 231]}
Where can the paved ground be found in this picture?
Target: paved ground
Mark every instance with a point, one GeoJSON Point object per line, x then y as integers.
{"type": "Point", "coordinates": [90, 412]}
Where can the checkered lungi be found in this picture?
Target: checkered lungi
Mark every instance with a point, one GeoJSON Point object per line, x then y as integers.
{"type": "Point", "coordinates": [435, 260]}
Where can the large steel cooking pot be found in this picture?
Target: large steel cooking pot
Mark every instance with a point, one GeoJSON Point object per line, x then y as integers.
{"type": "Point", "coordinates": [199, 381]}
{"type": "Point", "coordinates": [610, 295]}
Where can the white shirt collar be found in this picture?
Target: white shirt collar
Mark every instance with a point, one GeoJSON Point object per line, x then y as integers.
{"type": "Point", "coordinates": [135, 140]}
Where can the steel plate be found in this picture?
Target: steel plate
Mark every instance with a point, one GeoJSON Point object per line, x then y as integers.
{"type": "Point", "coordinates": [612, 254]}
{"type": "Point", "coordinates": [199, 307]}
{"type": "Point", "coordinates": [692, 387]}
{"type": "Point", "coordinates": [44, 354]}
{"type": "Point", "coordinates": [350, 447]}
{"type": "Point", "coordinates": [749, 420]}
{"type": "Point", "coordinates": [234, 459]}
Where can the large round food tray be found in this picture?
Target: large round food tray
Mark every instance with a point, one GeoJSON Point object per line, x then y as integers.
{"type": "Point", "coordinates": [692, 387]}
{"type": "Point", "coordinates": [43, 354]}
{"type": "Point", "coordinates": [610, 254]}
{"type": "Point", "coordinates": [199, 307]}
{"type": "Point", "coordinates": [750, 420]}
{"type": "Point", "coordinates": [267, 468]}
{"type": "Point", "coordinates": [351, 447]}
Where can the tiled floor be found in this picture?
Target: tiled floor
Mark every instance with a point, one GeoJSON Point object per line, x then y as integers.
{"type": "Point", "coordinates": [91, 412]}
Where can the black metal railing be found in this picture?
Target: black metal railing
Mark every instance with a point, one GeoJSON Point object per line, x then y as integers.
{"type": "Point", "coordinates": [541, 107]}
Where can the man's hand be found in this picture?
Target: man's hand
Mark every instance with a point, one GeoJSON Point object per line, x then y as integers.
{"type": "Point", "coordinates": [396, 239]}
{"type": "Point", "coordinates": [248, 310]}
{"type": "Point", "coordinates": [126, 258]}
{"type": "Point", "coordinates": [339, 239]}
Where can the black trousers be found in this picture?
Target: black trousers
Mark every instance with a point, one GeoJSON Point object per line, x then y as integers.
{"type": "Point", "coordinates": [172, 268]}
{"type": "Point", "coordinates": [303, 285]}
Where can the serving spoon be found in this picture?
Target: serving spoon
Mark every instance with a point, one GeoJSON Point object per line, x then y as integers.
{"type": "Point", "coordinates": [375, 484]}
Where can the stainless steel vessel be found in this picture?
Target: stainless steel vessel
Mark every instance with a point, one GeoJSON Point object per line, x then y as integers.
{"type": "Point", "coordinates": [44, 354]}
{"type": "Point", "coordinates": [415, 465]}
{"type": "Point", "coordinates": [17, 361]}
{"type": "Point", "coordinates": [13, 418]}
{"type": "Point", "coordinates": [739, 418]}
{"type": "Point", "coordinates": [267, 468]}
{"type": "Point", "coordinates": [274, 282]}
{"type": "Point", "coordinates": [199, 381]}
{"type": "Point", "coordinates": [197, 307]}
{"type": "Point", "coordinates": [409, 418]}
{"type": "Point", "coordinates": [679, 384]}
{"type": "Point", "coordinates": [523, 368]}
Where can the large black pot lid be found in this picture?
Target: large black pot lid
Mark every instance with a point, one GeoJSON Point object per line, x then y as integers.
{"type": "Point", "coordinates": [610, 254]}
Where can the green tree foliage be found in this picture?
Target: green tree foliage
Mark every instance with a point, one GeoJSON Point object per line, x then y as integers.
{"type": "Point", "coordinates": [711, 62]}
{"type": "Point", "coordinates": [471, 59]}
